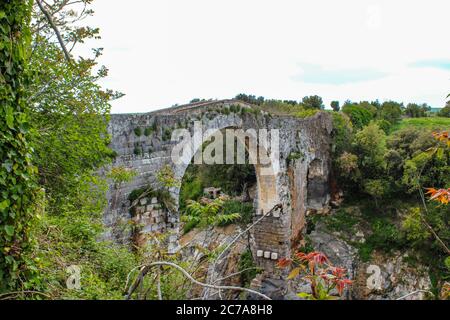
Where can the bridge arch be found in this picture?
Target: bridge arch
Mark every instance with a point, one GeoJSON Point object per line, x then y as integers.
{"type": "Point", "coordinates": [266, 173]}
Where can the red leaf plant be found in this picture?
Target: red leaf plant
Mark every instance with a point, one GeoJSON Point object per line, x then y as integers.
{"type": "Point", "coordinates": [439, 195]}
{"type": "Point", "coordinates": [322, 276]}
{"type": "Point", "coordinates": [442, 136]}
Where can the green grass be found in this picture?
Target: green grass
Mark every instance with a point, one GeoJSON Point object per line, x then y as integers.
{"type": "Point", "coordinates": [341, 221]}
{"type": "Point", "coordinates": [428, 123]}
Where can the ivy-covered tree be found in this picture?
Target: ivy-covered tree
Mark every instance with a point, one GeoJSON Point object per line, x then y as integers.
{"type": "Point", "coordinates": [17, 174]}
{"type": "Point", "coordinates": [53, 114]}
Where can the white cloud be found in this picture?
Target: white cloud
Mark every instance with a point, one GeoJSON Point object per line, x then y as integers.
{"type": "Point", "coordinates": [162, 52]}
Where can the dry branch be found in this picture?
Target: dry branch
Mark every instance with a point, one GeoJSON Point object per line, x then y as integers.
{"type": "Point", "coordinates": [55, 29]}
{"type": "Point", "coordinates": [147, 268]}
{"type": "Point", "coordinates": [276, 207]}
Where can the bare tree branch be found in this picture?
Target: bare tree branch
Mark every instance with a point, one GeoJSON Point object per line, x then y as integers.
{"type": "Point", "coordinates": [147, 268]}
{"type": "Point", "coordinates": [276, 207]}
{"type": "Point", "coordinates": [55, 29]}
{"type": "Point", "coordinates": [158, 284]}
{"type": "Point", "coordinates": [235, 274]}
{"type": "Point", "coordinates": [414, 292]}
{"type": "Point", "coordinates": [5, 296]}
{"type": "Point", "coordinates": [422, 197]}
{"type": "Point", "coordinates": [444, 246]}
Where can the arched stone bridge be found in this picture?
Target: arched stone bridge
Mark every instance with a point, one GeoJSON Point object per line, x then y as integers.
{"type": "Point", "coordinates": [142, 142]}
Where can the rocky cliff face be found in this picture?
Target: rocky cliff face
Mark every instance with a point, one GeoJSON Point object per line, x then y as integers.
{"type": "Point", "coordinates": [384, 276]}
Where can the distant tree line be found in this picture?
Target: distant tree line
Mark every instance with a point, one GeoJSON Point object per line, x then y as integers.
{"type": "Point", "coordinates": [389, 110]}
{"type": "Point", "coordinates": [308, 102]}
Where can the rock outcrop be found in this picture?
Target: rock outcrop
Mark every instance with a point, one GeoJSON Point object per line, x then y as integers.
{"type": "Point", "coordinates": [386, 276]}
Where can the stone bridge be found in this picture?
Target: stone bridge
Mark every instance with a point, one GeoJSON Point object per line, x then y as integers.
{"type": "Point", "coordinates": [300, 182]}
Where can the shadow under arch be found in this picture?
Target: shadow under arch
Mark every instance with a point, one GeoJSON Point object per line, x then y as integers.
{"type": "Point", "coordinates": [267, 194]}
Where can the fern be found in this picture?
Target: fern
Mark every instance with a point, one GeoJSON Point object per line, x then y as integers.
{"type": "Point", "coordinates": [208, 214]}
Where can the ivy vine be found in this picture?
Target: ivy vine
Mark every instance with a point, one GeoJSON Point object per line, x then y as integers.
{"type": "Point", "coordinates": [17, 174]}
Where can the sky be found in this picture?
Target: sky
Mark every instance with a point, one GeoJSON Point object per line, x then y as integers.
{"type": "Point", "coordinates": [165, 52]}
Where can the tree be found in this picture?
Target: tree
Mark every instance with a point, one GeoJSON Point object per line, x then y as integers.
{"type": "Point", "coordinates": [442, 154]}
{"type": "Point", "coordinates": [252, 99]}
{"type": "Point", "coordinates": [57, 114]}
{"type": "Point", "coordinates": [370, 146]}
{"type": "Point", "coordinates": [359, 116]}
{"type": "Point", "coordinates": [413, 226]}
{"type": "Point", "coordinates": [342, 133]}
{"type": "Point", "coordinates": [335, 105]}
{"type": "Point", "coordinates": [376, 188]}
{"type": "Point", "coordinates": [414, 110]}
{"type": "Point", "coordinates": [348, 165]}
{"type": "Point", "coordinates": [70, 110]}
{"type": "Point", "coordinates": [312, 102]}
{"type": "Point", "coordinates": [17, 173]}
{"type": "Point", "coordinates": [445, 112]}
{"type": "Point", "coordinates": [369, 107]}
{"type": "Point", "coordinates": [391, 111]}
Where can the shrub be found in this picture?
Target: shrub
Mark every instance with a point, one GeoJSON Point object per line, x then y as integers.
{"type": "Point", "coordinates": [148, 131]}
{"type": "Point", "coordinates": [294, 156]}
{"type": "Point", "coordinates": [167, 134]}
{"type": "Point", "coordinates": [370, 146]}
{"type": "Point", "coordinates": [245, 209]}
{"type": "Point", "coordinates": [342, 133]}
{"type": "Point", "coordinates": [306, 113]}
{"type": "Point", "coordinates": [72, 237]}
{"type": "Point", "coordinates": [189, 225]}
{"type": "Point", "coordinates": [191, 189]}
{"type": "Point", "coordinates": [120, 175]}
{"type": "Point", "coordinates": [136, 193]}
{"type": "Point", "coordinates": [413, 226]}
{"type": "Point", "coordinates": [208, 214]}
{"type": "Point", "coordinates": [445, 112]}
{"type": "Point", "coordinates": [384, 125]}
{"type": "Point", "coordinates": [246, 263]}
{"type": "Point", "coordinates": [376, 188]}
{"type": "Point", "coordinates": [137, 151]}
{"type": "Point", "coordinates": [138, 131]}
{"type": "Point", "coordinates": [386, 236]}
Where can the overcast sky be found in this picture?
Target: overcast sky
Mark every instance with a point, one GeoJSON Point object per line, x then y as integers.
{"type": "Point", "coordinates": [163, 52]}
